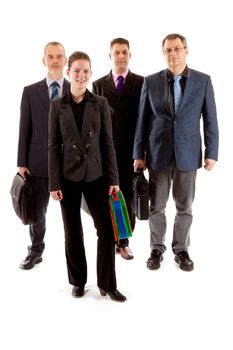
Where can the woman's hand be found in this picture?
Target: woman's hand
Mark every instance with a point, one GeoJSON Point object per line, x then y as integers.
{"type": "Point", "coordinates": [112, 188]}
{"type": "Point", "coordinates": [57, 195]}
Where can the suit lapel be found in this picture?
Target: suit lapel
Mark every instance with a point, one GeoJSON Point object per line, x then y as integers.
{"type": "Point", "coordinates": [69, 123]}
{"type": "Point", "coordinates": [163, 91]}
{"type": "Point", "coordinates": [188, 91]}
{"type": "Point", "coordinates": [43, 94]}
{"type": "Point", "coordinates": [110, 84]}
{"type": "Point", "coordinates": [87, 116]}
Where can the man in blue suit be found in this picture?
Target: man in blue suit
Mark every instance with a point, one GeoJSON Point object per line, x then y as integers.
{"type": "Point", "coordinates": [168, 142]}
{"type": "Point", "coordinates": [33, 140]}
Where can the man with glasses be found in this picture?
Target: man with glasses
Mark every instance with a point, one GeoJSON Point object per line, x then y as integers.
{"type": "Point", "coordinates": [168, 142]}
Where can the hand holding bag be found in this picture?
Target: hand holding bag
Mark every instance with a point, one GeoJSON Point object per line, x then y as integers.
{"type": "Point", "coordinates": [23, 194]}
{"type": "Point", "coordinates": [119, 215]}
{"type": "Point", "coordinates": [141, 196]}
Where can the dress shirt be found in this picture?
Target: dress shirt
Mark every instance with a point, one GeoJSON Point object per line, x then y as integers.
{"type": "Point", "coordinates": [60, 81]}
{"type": "Point", "coordinates": [185, 74]}
{"type": "Point", "coordinates": [115, 76]}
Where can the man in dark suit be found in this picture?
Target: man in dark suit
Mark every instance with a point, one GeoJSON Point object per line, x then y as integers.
{"type": "Point", "coordinates": [123, 99]}
{"type": "Point", "coordinates": [33, 140]}
{"type": "Point", "coordinates": [168, 142]}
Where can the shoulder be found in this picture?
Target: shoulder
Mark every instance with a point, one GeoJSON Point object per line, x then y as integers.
{"type": "Point", "coordinates": [155, 78]}
{"type": "Point", "coordinates": [98, 99]}
{"type": "Point", "coordinates": [41, 83]}
{"type": "Point", "coordinates": [135, 76]}
{"type": "Point", "coordinates": [102, 79]}
{"type": "Point", "coordinates": [157, 75]}
{"type": "Point", "coordinates": [197, 74]}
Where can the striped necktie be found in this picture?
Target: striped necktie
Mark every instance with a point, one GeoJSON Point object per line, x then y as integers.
{"type": "Point", "coordinates": [177, 91]}
{"type": "Point", "coordinates": [120, 81]}
{"type": "Point", "coordinates": [54, 91]}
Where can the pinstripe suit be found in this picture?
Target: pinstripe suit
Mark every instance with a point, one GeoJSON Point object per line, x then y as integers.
{"type": "Point", "coordinates": [166, 137]}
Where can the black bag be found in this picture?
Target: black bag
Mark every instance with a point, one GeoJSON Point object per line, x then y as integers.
{"type": "Point", "coordinates": [141, 196]}
{"type": "Point", "coordinates": [23, 193]}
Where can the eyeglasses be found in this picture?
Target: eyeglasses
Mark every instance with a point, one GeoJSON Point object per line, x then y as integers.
{"type": "Point", "coordinates": [173, 49]}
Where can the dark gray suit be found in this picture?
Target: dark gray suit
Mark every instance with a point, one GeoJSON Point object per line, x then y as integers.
{"type": "Point", "coordinates": [173, 148]}
{"type": "Point", "coordinates": [33, 151]}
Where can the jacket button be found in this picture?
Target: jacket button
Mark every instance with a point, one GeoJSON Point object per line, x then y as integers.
{"type": "Point", "coordinates": [84, 156]}
{"type": "Point", "coordinates": [90, 133]}
{"type": "Point", "coordinates": [75, 147]}
{"type": "Point", "coordinates": [88, 145]}
{"type": "Point", "coordinates": [77, 158]}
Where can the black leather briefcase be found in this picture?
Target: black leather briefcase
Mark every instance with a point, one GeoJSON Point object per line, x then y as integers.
{"type": "Point", "coordinates": [141, 196]}
{"type": "Point", "coordinates": [23, 194]}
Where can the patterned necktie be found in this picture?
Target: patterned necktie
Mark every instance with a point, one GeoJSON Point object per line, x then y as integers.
{"type": "Point", "coordinates": [177, 91]}
{"type": "Point", "coordinates": [120, 81]}
{"type": "Point", "coordinates": [54, 91]}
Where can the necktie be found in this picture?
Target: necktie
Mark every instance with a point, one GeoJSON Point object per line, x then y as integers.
{"type": "Point", "coordinates": [54, 91]}
{"type": "Point", "coordinates": [177, 91]}
{"type": "Point", "coordinates": [120, 81]}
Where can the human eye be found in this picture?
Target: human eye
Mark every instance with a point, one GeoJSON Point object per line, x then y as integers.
{"type": "Point", "coordinates": [168, 51]}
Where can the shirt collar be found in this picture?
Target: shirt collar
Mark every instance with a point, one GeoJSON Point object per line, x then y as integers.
{"type": "Point", "coordinates": [49, 81]}
{"type": "Point", "coordinates": [185, 73]}
{"type": "Point", "coordinates": [68, 97]}
{"type": "Point", "coordinates": [115, 75]}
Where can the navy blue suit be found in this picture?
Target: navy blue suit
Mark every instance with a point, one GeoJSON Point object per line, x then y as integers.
{"type": "Point", "coordinates": [158, 130]}
{"type": "Point", "coordinates": [172, 145]}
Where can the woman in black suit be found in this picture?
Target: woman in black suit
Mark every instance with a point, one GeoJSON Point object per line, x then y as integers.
{"type": "Point", "coordinates": [82, 160]}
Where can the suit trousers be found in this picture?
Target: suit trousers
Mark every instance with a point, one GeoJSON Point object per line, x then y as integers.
{"type": "Point", "coordinates": [37, 231]}
{"type": "Point", "coordinates": [183, 191]}
{"type": "Point", "coordinates": [96, 196]}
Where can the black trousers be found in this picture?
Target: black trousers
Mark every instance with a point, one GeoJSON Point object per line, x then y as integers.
{"type": "Point", "coordinates": [37, 231]}
{"type": "Point", "coordinates": [96, 196]}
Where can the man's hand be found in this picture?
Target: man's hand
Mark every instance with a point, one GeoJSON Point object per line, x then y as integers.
{"type": "Point", "coordinates": [22, 170]}
{"type": "Point", "coordinates": [139, 164]}
{"type": "Point", "coordinates": [209, 164]}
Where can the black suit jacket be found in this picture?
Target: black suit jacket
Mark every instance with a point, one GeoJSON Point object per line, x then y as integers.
{"type": "Point", "coordinates": [81, 157]}
{"type": "Point", "coordinates": [124, 111]}
{"type": "Point", "coordinates": [33, 128]}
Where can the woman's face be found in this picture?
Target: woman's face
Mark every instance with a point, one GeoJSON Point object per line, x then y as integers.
{"type": "Point", "coordinates": [79, 73]}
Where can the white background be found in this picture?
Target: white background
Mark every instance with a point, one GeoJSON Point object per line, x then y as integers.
{"type": "Point", "coordinates": [166, 309]}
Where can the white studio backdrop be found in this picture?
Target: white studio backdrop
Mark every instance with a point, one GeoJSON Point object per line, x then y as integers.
{"type": "Point", "coordinates": [25, 27]}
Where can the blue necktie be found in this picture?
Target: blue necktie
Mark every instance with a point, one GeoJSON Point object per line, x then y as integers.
{"type": "Point", "coordinates": [120, 81]}
{"type": "Point", "coordinates": [54, 92]}
{"type": "Point", "coordinates": [177, 91]}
